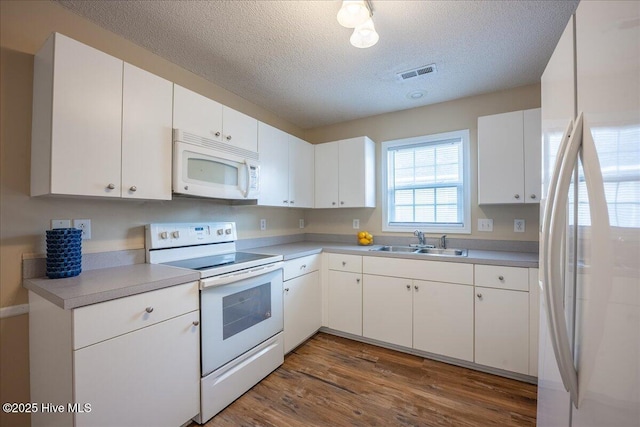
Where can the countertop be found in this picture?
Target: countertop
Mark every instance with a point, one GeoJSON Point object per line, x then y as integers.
{"type": "Point", "coordinates": [105, 284]}
{"type": "Point", "coordinates": [300, 249]}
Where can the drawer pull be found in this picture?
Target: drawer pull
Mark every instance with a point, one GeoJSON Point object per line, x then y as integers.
{"type": "Point", "coordinates": [479, 296]}
{"type": "Point", "coordinates": [408, 287]}
{"type": "Point", "coordinates": [303, 266]}
{"type": "Point", "coordinates": [196, 322]}
{"type": "Point", "coordinates": [358, 280]}
{"type": "Point", "coordinates": [501, 278]}
{"type": "Point", "coordinates": [148, 309]}
{"type": "Point", "coordinates": [344, 263]}
{"type": "Point", "coordinates": [416, 287]}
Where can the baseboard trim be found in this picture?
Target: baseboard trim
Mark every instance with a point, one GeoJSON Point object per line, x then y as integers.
{"type": "Point", "coordinates": [14, 310]}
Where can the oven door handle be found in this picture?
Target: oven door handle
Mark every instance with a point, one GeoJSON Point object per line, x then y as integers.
{"type": "Point", "coordinates": [236, 276]}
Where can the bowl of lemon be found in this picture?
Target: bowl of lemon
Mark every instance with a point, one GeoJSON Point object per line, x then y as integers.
{"type": "Point", "coordinates": [365, 238]}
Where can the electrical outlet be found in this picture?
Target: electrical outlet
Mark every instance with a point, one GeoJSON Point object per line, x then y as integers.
{"type": "Point", "coordinates": [518, 225]}
{"type": "Point", "coordinates": [485, 224]}
{"type": "Point", "coordinates": [301, 223]}
{"type": "Point", "coordinates": [85, 226]}
{"type": "Point", "coordinates": [356, 224]}
{"type": "Point", "coordinates": [60, 223]}
{"type": "Point", "coordinates": [263, 224]}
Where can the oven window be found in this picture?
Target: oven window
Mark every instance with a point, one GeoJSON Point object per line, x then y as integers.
{"type": "Point", "coordinates": [212, 172]}
{"type": "Point", "coordinates": [244, 309]}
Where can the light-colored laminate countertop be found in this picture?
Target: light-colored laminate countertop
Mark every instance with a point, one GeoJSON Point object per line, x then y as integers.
{"type": "Point", "coordinates": [105, 284]}
{"type": "Point", "coordinates": [300, 249]}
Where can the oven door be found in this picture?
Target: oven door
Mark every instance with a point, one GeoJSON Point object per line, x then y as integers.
{"type": "Point", "coordinates": [207, 172]}
{"type": "Point", "coordinates": [237, 317]}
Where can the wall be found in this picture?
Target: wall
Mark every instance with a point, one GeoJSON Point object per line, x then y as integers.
{"type": "Point", "coordinates": [444, 117]}
{"type": "Point", "coordinates": [116, 225]}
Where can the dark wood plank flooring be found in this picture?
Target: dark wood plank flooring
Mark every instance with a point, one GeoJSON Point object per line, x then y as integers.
{"type": "Point", "coordinates": [333, 381]}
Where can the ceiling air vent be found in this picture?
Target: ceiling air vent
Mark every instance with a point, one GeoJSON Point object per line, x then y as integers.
{"type": "Point", "coordinates": [417, 72]}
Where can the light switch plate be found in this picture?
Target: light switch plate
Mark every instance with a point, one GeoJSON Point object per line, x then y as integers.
{"type": "Point", "coordinates": [485, 224]}
{"type": "Point", "coordinates": [301, 223]}
{"type": "Point", "coordinates": [356, 224]}
{"type": "Point", "coordinates": [518, 225]}
{"type": "Point", "coordinates": [60, 223]}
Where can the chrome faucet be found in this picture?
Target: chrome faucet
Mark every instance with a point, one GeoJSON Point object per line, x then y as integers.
{"type": "Point", "coordinates": [420, 235]}
{"type": "Point", "coordinates": [443, 241]}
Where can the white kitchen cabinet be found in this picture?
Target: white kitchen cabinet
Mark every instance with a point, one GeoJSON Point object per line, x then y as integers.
{"type": "Point", "coordinates": [207, 118]}
{"type": "Point", "coordinates": [146, 135]}
{"type": "Point", "coordinates": [387, 309]}
{"type": "Point", "coordinates": [345, 293]}
{"type": "Point", "coordinates": [443, 319]}
{"type": "Point", "coordinates": [302, 300]}
{"type": "Point", "coordinates": [101, 127]}
{"type": "Point", "coordinates": [509, 157]}
{"type": "Point", "coordinates": [534, 320]}
{"type": "Point", "coordinates": [123, 357]}
{"type": "Point", "coordinates": [286, 169]}
{"type": "Point", "coordinates": [502, 333]}
{"type": "Point", "coordinates": [345, 173]}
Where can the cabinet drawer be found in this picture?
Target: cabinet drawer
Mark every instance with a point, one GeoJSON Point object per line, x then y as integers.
{"type": "Point", "coordinates": [340, 262]}
{"type": "Point", "coordinates": [493, 276]}
{"type": "Point", "coordinates": [438, 271]}
{"type": "Point", "coordinates": [98, 322]}
{"type": "Point", "coordinates": [299, 266]}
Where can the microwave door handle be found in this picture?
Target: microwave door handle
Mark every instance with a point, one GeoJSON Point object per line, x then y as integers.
{"type": "Point", "coordinates": [247, 179]}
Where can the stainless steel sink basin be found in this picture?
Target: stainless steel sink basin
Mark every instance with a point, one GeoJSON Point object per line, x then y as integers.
{"type": "Point", "coordinates": [408, 249]}
{"type": "Point", "coordinates": [422, 251]}
{"type": "Point", "coordinates": [442, 252]}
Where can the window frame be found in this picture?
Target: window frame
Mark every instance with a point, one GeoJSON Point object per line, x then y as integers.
{"type": "Point", "coordinates": [466, 183]}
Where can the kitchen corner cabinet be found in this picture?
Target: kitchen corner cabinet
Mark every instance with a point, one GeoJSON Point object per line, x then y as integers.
{"type": "Point", "coordinates": [302, 300]}
{"type": "Point", "coordinates": [345, 174]}
{"type": "Point", "coordinates": [207, 118]}
{"type": "Point", "coordinates": [96, 121]}
{"type": "Point", "coordinates": [509, 157]}
{"type": "Point", "coordinates": [345, 293]}
{"type": "Point", "coordinates": [130, 361]}
{"type": "Point", "coordinates": [286, 169]}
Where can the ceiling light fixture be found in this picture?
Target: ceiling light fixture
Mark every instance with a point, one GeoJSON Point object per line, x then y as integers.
{"type": "Point", "coordinates": [358, 14]}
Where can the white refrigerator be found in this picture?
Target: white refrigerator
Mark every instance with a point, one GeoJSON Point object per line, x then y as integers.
{"type": "Point", "coordinates": [589, 349]}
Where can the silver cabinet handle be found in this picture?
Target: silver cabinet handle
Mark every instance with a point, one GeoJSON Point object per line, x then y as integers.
{"type": "Point", "coordinates": [291, 202]}
{"type": "Point", "coordinates": [228, 137]}
{"type": "Point", "coordinates": [479, 296]}
{"type": "Point", "coordinates": [517, 196]}
{"type": "Point", "coordinates": [501, 278]}
{"type": "Point", "coordinates": [196, 322]}
{"type": "Point", "coordinates": [344, 263]}
{"type": "Point", "coordinates": [416, 287]}
{"type": "Point", "coordinates": [303, 266]}
{"type": "Point", "coordinates": [408, 287]}
{"type": "Point", "coordinates": [148, 309]}
{"type": "Point", "coordinates": [358, 280]}
{"type": "Point", "coordinates": [286, 289]}
{"type": "Point", "coordinates": [217, 134]}
{"type": "Point", "coordinates": [333, 203]}
{"type": "Point", "coordinates": [285, 201]}
{"type": "Point", "coordinates": [342, 203]}
{"type": "Point", "coordinates": [111, 186]}
{"type": "Point", "coordinates": [133, 188]}
{"type": "Point", "coordinates": [533, 196]}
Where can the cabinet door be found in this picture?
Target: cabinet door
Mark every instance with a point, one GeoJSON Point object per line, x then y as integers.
{"type": "Point", "coordinates": [502, 329]}
{"type": "Point", "coordinates": [273, 149]}
{"type": "Point", "coordinates": [500, 158]}
{"type": "Point", "coordinates": [326, 175]}
{"type": "Point", "coordinates": [301, 171]}
{"type": "Point", "coordinates": [239, 130]}
{"type": "Point", "coordinates": [146, 135]}
{"type": "Point", "coordinates": [147, 377]}
{"type": "Point", "coordinates": [86, 120]}
{"type": "Point", "coordinates": [532, 134]}
{"type": "Point", "coordinates": [386, 309]}
{"type": "Point", "coordinates": [345, 302]}
{"type": "Point", "coordinates": [443, 319]}
{"type": "Point", "coordinates": [196, 114]}
{"type": "Point", "coordinates": [356, 171]}
{"type": "Point", "coordinates": [302, 309]}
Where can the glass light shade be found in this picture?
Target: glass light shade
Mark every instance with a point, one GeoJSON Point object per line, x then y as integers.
{"type": "Point", "coordinates": [353, 13]}
{"type": "Point", "coordinates": [364, 35]}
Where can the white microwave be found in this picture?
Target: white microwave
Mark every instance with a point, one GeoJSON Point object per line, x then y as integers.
{"type": "Point", "coordinates": [206, 168]}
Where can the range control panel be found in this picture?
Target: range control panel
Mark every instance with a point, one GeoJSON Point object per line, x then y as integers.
{"type": "Point", "coordinates": [172, 235]}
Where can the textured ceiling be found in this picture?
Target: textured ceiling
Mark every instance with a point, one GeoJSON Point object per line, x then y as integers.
{"type": "Point", "coordinates": [294, 59]}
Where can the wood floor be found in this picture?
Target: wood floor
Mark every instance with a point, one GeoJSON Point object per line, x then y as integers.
{"type": "Point", "coordinates": [332, 381]}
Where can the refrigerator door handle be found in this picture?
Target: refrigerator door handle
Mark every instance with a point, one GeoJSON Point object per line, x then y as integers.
{"type": "Point", "coordinates": [553, 265]}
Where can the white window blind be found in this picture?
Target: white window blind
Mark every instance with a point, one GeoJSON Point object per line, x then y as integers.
{"type": "Point", "coordinates": [427, 183]}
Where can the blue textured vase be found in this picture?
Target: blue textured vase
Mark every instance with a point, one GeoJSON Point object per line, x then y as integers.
{"type": "Point", "coordinates": [64, 252]}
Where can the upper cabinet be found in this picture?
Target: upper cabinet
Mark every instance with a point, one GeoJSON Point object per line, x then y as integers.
{"type": "Point", "coordinates": [286, 169]}
{"type": "Point", "coordinates": [205, 117]}
{"type": "Point", "coordinates": [509, 158]}
{"type": "Point", "coordinates": [95, 121]}
{"type": "Point", "coordinates": [345, 173]}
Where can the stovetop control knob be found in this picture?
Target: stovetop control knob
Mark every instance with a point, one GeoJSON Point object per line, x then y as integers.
{"type": "Point", "coordinates": [220, 231]}
{"type": "Point", "coordinates": [163, 235]}
{"type": "Point", "coordinates": [175, 234]}
{"type": "Point", "coordinates": [227, 231]}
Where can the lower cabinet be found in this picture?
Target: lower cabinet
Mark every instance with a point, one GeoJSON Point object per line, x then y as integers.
{"type": "Point", "coordinates": [129, 361]}
{"type": "Point", "coordinates": [302, 300]}
{"type": "Point", "coordinates": [386, 309]}
{"type": "Point", "coordinates": [345, 301]}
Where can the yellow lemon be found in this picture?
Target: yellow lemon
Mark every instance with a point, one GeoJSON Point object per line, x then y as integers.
{"type": "Point", "coordinates": [368, 236]}
{"type": "Point", "coordinates": [362, 234]}
{"type": "Point", "coordinates": [364, 242]}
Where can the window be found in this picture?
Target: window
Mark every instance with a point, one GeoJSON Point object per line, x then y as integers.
{"type": "Point", "coordinates": [427, 183]}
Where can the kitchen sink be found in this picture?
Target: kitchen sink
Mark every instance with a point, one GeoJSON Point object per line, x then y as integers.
{"type": "Point", "coordinates": [421, 251]}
